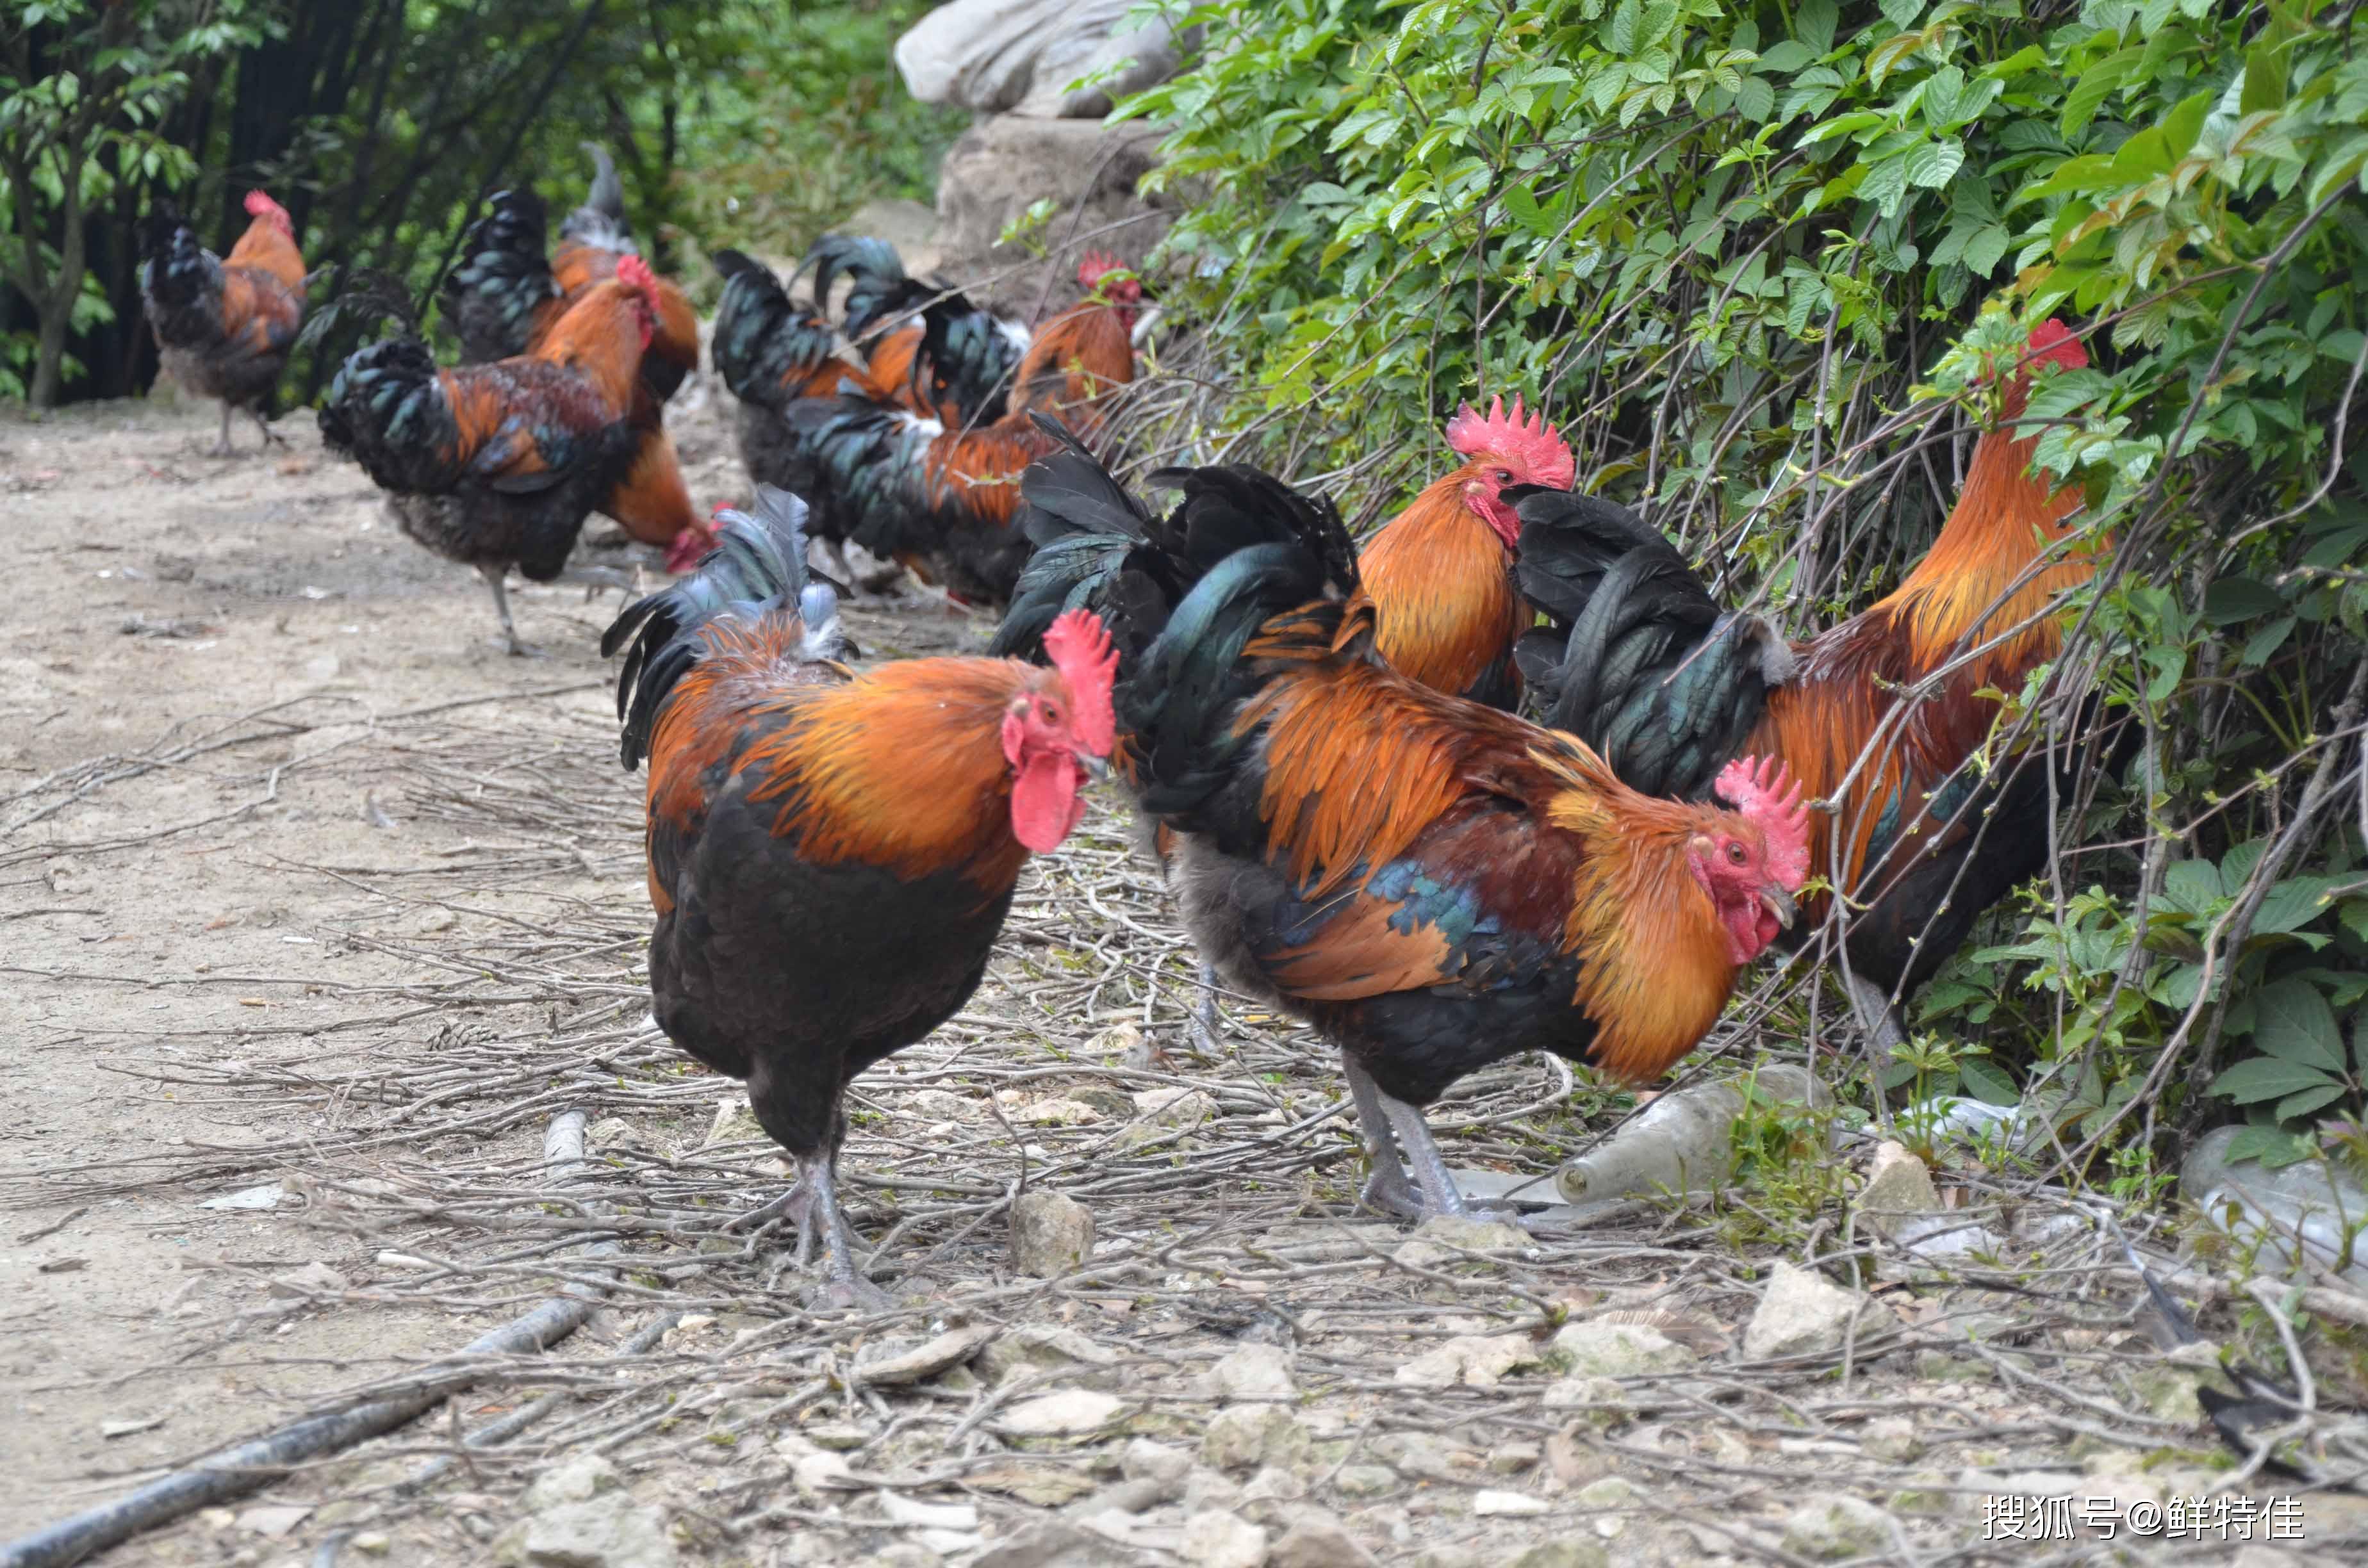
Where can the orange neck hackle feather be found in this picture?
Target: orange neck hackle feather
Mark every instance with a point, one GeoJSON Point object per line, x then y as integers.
{"type": "Point", "coordinates": [269, 246]}
{"type": "Point", "coordinates": [601, 338]}
{"type": "Point", "coordinates": [1657, 971]}
{"type": "Point", "coordinates": [1441, 585]}
{"type": "Point", "coordinates": [901, 767]}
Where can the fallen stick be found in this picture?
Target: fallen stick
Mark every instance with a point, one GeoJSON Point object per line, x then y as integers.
{"type": "Point", "coordinates": [251, 1466]}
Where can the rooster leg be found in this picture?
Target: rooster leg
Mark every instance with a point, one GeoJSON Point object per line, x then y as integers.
{"type": "Point", "coordinates": [1387, 1189]}
{"type": "Point", "coordinates": [271, 437]}
{"type": "Point", "coordinates": [1205, 1039]}
{"type": "Point", "coordinates": [493, 577]}
{"type": "Point", "coordinates": [1880, 1018]}
{"type": "Point", "coordinates": [1439, 1194]}
{"type": "Point", "coordinates": [222, 447]}
{"type": "Point", "coordinates": [845, 1287]}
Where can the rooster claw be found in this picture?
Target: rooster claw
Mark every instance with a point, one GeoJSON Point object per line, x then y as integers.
{"type": "Point", "coordinates": [854, 1293]}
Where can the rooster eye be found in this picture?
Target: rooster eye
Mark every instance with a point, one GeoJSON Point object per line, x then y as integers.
{"type": "Point", "coordinates": [1504, 476]}
{"type": "Point", "coordinates": [1734, 853]}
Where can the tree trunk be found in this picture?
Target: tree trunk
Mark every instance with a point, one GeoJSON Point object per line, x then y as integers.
{"type": "Point", "coordinates": [49, 367]}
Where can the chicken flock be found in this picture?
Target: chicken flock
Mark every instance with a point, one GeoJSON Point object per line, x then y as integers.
{"type": "Point", "coordinates": [1325, 746]}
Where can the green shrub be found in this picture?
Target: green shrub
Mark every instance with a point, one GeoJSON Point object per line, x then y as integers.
{"type": "Point", "coordinates": [1751, 258]}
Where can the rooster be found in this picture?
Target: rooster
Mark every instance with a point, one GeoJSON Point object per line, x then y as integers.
{"type": "Point", "coordinates": [506, 297]}
{"type": "Point", "coordinates": [496, 465]}
{"type": "Point", "coordinates": [926, 345]}
{"type": "Point", "coordinates": [224, 326]}
{"type": "Point", "coordinates": [508, 292]}
{"type": "Point", "coordinates": [942, 497]}
{"type": "Point", "coordinates": [1670, 689]}
{"type": "Point", "coordinates": [1434, 884]}
{"type": "Point", "coordinates": [831, 854]}
{"type": "Point", "coordinates": [1440, 573]}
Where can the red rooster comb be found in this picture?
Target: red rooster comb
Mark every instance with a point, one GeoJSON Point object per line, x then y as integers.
{"type": "Point", "coordinates": [2052, 343]}
{"type": "Point", "coordinates": [1762, 789]}
{"type": "Point", "coordinates": [1096, 264]}
{"type": "Point", "coordinates": [1080, 649]}
{"type": "Point", "coordinates": [258, 205]}
{"type": "Point", "coordinates": [1534, 449]}
{"type": "Point", "coordinates": [635, 274]}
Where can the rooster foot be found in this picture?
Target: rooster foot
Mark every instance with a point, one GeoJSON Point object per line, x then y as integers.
{"type": "Point", "coordinates": [1386, 1192]}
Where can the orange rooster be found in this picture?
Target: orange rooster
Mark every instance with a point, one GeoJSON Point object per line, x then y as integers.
{"type": "Point", "coordinates": [223, 327]}
{"type": "Point", "coordinates": [496, 465]}
{"type": "Point", "coordinates": [831, 854]}
{"type": "Point", "coordinates": [1670, 689]}
{"type": "Point", "coordinates": [1440, 573]}
{"type": "Point", "coordinates": [1434, 884]}
{"type": "Point", "coordinates": [943, 496]}
{"type": "Point", "coordinates": [505, 297]}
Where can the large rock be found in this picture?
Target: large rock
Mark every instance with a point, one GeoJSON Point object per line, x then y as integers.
{"type": "Point", "coordinates": [1000, 167]}
{"type": "Point", "coordinates": [1831, 1524]}
{"type": "Point", "coordinates": [1021, 55]}
{"type": "Point", "coordinates": [606, 1531]}
{"type": "Point", "coordinates": [1618, 1350]}
{"type": "Point", "coordinates": [1052, 1234]}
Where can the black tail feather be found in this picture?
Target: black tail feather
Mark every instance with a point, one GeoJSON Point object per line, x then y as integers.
{"type": "Point", "coordinates": [758, 564]}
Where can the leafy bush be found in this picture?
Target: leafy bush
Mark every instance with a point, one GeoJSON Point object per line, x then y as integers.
{"type": "Point", "coordinates": [1752, 257]}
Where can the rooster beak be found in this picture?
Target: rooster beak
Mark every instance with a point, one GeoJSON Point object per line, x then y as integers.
{"type": "Point", "coordinates": [1096, 769]}
{"type": "Point", "coordinates": [1780, 904]}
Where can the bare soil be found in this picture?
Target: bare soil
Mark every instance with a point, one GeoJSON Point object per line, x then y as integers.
{"type": "Point", "coordinates": [305, 885]}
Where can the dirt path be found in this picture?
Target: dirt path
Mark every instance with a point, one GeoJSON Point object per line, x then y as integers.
{"type": "Point", "coordinates": [310, 895]}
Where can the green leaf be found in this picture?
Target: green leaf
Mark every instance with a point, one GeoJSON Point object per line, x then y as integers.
{"type": "Point", "coordinates": [2309, 1100]}
{"type": "Point", "coordinates": [2265, 77]}
{"type": "Point", "coordinates": [2295, 903]}
{"type": "Point", "coordinates": [2231, 599]}
{"type": "Point", "coordinates": [1814, 22]}
{"type": "Point", "coordinates": [1900, 12]}
{"type": "Point", "coordinates": [1934, 163]}
{"type": "Point", "coordinates": [2266, 1078]}
{"type": "Point", "coordinates": [1986, 1082]}
{"type": "Point", "coordinates": [2265, 642]}
{"type": "Point", "coordinates": [2089, 92]}
{"type": "Point", "coordinates": [1755, 100]}
{"type": "Point", "coordinates": [2293, 1023]}
{"type": "Point", "coordinates": [1786, 56]}
{"type": "Point", "coordinates": [1622, 36]}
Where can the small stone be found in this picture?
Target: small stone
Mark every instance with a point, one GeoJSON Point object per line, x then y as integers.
{"type": "Point", "coordinates": [1052, 1234]}
{"type": "Point", "coordinates": [1425, 1457]}
{"type": "Point", "coordinates": [1604, 1403]}
{"type": "Point", "coordinates": [1241, 1436]}
{"type": "Point", "coordinates": [607, 1532]}
{"type": "Point", "coordinates": [1068, 1414]}
{"type": "Point", "coordinates": [901, 1510]}
{"type": "Point", "coordinates": [1802, 1313]}
{"type": "Point", "coordinates": [273, 1520]}
{"type": "Point", "coordinates": [1508, 1504]}
{"type": "Point", "coordinates": [1143, 1460]}
{"type": "Point", "coordinates": [265, 1197]}
{"type": "Point", "coordinates": [1273, 1484]}
{"type": "Point", "coordinates": [1442, 1239]}
{"type": "Point", "coordinates": [817, 1472]}
{"type": "Point", "coordinates": [1561, 1555]}
{"type": "Point", "coordinates": [1471, 1361]}
{"type": "Point", "coordinates": [609, 1131]}
{"type": "Point", "coordinates": [1365, 1480]}
{"type": "Point", "coordinates": [1253, 1372]}
{"type": "Point", "coordinates": [1206, 1489]}
{"type": "Point", "coordinates": [1610, 1492]}
{"type": "Point", "coordinates": [1319, 1543]}
{"type": "Point", "coordinates": [2169, 1392]}
{"type": "Point", "coordinates": [1892, 1439]}
{"type": "Point", "coordinates": [895, 1368]}
{"type": "Point", "coordinates": [1897, 1185]}
{"type": "Point", "coordinates": [1057, 1544]}
{"type": "Point", "coordinates": [1175, 1107]}
{"type": "Point", "coordinates": [1832, 1525]}
{"type": "Point", "coordinates": [904, 1554]}
{"type": "Point", "coordinates": [217, 1518]}
{"type": "Point", "coordinates": [1040, 1347]}
{"type": "Point", "coordinates": [1572, 1463]}
{"type": "Point", "coordinates": [572, 1479]}
{"type": "Point", "coordinates": [1216, 1538]}
{"type": "Point", "coordinates": [128, 1425]}
{"type": "Point", "coordinates": [1618, 1350]}
{"type": "Point", "coordinates": [1511, 1459]}
{"type": "Point", "coordinates": [843, 1436]}
{"type": "Point", "coordinates": [378, 1544]}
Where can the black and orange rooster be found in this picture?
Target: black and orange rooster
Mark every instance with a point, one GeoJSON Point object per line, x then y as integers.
{"type": "Point", "coordinates": [925, 344]}
{"type": "Point", "coordinates": [831, 854]}
{"type": "Point", "coordinates": [496, 465]}
{"type": "Point", "coordinates": [942, 497]}
{"type": "Point", "coordinates": [224, 326]}
{"type": "Point", "coordinates": [1434, 884]}
{"type": "Point", "coordinates": [507, 296]}
{"type": "Point", "coordinates": [1670, 689]}
{"type": "Point", "coordinates": [1440, 573]}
